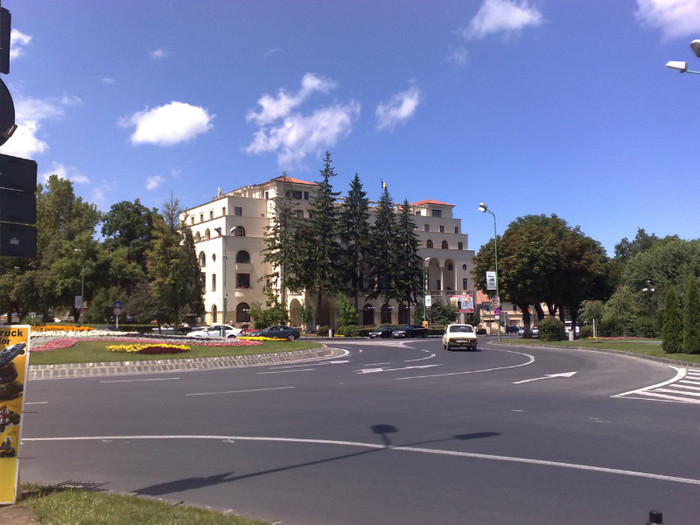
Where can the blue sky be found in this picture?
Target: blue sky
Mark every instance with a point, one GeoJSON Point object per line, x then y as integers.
{"type": "Point", "coordinates": [537, 106]}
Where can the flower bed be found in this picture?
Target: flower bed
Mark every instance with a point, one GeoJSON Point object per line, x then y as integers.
{"type": "Point", "coordinates": [62, 328]}
{"type": "Point", "coordinates": [160, 348]}
{"type": "Point", "coordinates": [67, 342]}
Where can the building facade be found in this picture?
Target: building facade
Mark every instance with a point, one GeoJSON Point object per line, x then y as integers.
{"type": "Point", "coordinates": [229, 233]}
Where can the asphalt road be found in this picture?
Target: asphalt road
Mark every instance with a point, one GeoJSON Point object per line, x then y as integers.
{"type": "Point", "coordinates": [392, 433]}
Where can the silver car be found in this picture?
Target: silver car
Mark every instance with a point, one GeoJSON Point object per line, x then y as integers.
{"type": "Point", "coordinates": [225, 331]}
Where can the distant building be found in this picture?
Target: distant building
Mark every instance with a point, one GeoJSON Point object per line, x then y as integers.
{"type": "Point", "coordinates": [229, 235]}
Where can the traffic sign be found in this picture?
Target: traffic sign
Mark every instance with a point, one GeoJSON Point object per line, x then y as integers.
{"type": "Point", "coordinates": [497, 312]}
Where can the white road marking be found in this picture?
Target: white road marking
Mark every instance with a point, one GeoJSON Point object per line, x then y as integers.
{"type": "Point", "coordinates": [375, 370]}
{"type": "Point", "coordinates": [36, 403]}
{"type": "Point", "coordinates": [287, 371]}
{"type": "Point", "coordinates": [139, 380]}
{"type": "Point", "coordinates": [546, 376]}
{"type": "Point", "coordinates": [531, 359]}
{"type": "Point", "coordinates": [675, 390]}
{"type": "Point", "coordinates": [374, 446]}
{"type": "Point", "coordinates": [239, 391]}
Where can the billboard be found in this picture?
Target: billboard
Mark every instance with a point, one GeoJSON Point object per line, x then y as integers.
{"type": "Point", "coordinates": [463, 303]}
{"type": "Point", "coordinates": [14, 363]}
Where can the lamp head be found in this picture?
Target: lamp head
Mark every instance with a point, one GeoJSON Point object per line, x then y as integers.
{"type": "Point", "coordinates": [695, 46]}
{"type": "Point", "coordinates": [677, 64]}
{"type": "Point", "coordinates": [483, 208]}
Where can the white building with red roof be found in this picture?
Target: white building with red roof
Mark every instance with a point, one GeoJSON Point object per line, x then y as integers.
{"type": "Point", "coordinates": [229, 234]}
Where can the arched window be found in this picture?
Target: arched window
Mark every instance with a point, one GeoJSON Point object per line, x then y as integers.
{"type": "Point", "coordinates": [428, 243]}
{"type": "Point", "coordinates": [445, 246]}
{"type": "Point", "coordinates": [197, 237]}
{"type": "Point", "coordinates": [202, 260]}
{"type": "Point", "coordinates": [242, 257]}
{"type": "Point", "coordinates": [213, 314]}
{"type": "Point", "coordinates": [238, 231]}
{"type": "Point", "coordinates": [243, 313]}
{"type": "Point", "coordinates": [368, 315]}
{"type": "Point", "coordinates": [207, 234]}
{"type": "Point", "coordinates": [386, 314]}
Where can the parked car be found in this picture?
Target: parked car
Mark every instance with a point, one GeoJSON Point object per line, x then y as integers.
{"type": "Point", "coordinates": [410, 330]}
{"type": "Point", "coordinates": [279, 332]}
{"type": "Point", "coordinates": [459, 335]}
{"type": "Point", "coordinates": [215, 330]}
{"type": "Point", "coordinates": [383, 331]}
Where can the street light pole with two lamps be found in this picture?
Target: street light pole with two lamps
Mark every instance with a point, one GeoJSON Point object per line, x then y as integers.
{"type": "Point", "coordinates": [483, 208]}
{"type": "Point", "coordinates": [682, 66]}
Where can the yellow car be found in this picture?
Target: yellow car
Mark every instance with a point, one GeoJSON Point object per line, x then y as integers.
{"type": "Point", "coordinates": [459, 335]}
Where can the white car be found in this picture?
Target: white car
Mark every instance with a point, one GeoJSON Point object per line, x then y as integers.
{"type": "Point", "coordinates": [459, 335]}
{"type": "Point", "coordinates": [215, 331]}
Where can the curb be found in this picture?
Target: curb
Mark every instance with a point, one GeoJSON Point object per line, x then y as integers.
{"type": "Point", "coordinates": [121, 368]}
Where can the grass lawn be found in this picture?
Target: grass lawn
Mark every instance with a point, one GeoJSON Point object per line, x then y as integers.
{"type": "Point", "coordinates": [87, 351]}
{"type": "Point", "coordinates": [641, 346]}
{"type": "Point", "coordinates": [71, 506]}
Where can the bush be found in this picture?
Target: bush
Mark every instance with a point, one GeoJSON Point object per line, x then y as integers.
{"type": "Point", "coordinates": [586, 331]}
{"type": "Point", "coordinates": [339, 331]}
{"type": "Point", "coordinates": [323, 330]}
{"type": "Point", "coordinates": [351, 331]}
{"type": "Point", "coordinates": [672, 333]}
{"type": "Point", "coordinates": [551, 329]}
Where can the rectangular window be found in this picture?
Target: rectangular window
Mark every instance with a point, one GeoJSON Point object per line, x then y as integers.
{"type": "Point", "coordinates": [442, 229]}
{"type": "Point", "coordinates": [213, 282]}
{"type": "Point", "coordinates": [211, 214]}
{"type": "Point", "coordinates": [426, 227]}
{"type": "Point", "coordinates": [299, 213]}
{"type": "Point", "coordinates": [465, 284]}
{"type": "Point", "coordinates": [294, 194]}
{"type": "Point", "coordinates": [237, 211]}
{"type": "Point", "coordinates": [242, 280]}
{"type": "Point", "coordinates": [267, 195]}
{"type": "Point", "coordinates": [437, 213]}
{"type": "Point", "coordinates": [306, 195]}
{"type": "Point", "coordinates": [223, 211]}
{"type": "Point", "coordinates": [460, 246]}
{"type": "Point", "coordinates": [456, 229]}
{"type": "Point", "coordinates": [201, 217]}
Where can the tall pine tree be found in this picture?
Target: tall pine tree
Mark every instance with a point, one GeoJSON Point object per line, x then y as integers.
{"type": "Point", "coordinates": [383, 256]}
{"type": "Point", "coordinates": [672, 335]}
{"type": "Point", "coordinates": [355, 240]}
{"type": "Point", "coordinates": [320, 240]}
{"type": "Point", "coordinates": [409, 273]}
{"type": "Point", "coordinates": [691, 319]}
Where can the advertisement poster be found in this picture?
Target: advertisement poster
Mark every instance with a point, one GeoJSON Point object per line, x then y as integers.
{"type": "Point", "coordinates": [14, 363]}
{"type": "Point", "coordinates": [464, 303]}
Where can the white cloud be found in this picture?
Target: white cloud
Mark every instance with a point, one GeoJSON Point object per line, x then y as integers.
{"type": "Point", "coordinates": [159, 54]}
{"type": "Point", "coordinates": [274, 108]}
{"type": "Point", "coordinates": [458, 56]}
{"type": "Point", "coordinates": [30, 116]}
{"type": "Point", "coordinates": [398, 109]}
{"type": "Point", "coordinates": [293, 135]}
{"type": "Point", "coordinates": [502, 16]}
{"type": "Point", "coordinates": [169, 124]}
{"type": "Point", "coordinates": [153, 182]}
{"type": "Point", "coordinates": [64, 172]}
{"type": "Point", "coordinates": [299, 135]}
{"type": "Point", "coordinates": [108, 80]}
{"type": "Point", "coordinates": [675, 18]}
{"type": "Point", "coordinates": [18, 41]}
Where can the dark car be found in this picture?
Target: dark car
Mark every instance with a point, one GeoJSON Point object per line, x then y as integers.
{"type": "Point", "coordinates": [383, 331]}
{"type": "Point", "coordinates": [279, 332]}
{"type": "Point", "coordinates": [410, 330]}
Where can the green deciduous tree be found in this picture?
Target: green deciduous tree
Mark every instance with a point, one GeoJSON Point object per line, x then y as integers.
{"type": "Point", "coordinates": [176, 280]}
{"type": "Point", "coordinates": [620, 310]}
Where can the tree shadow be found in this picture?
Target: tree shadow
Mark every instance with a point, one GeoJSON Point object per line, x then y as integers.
{"type": "Point", "coordinates": [381, 429]}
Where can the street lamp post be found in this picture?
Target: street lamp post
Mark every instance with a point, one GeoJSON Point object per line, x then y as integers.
{"type": "Point", "coordinates": [224, 294]}
{"type": "Point", "coordinates": [483, 208]}
{"type": "Point", "coordinates": [82, 282]}
{"type": "Point", "coordinates": [682, 66]}
{"type": "Point", "coordinates": [425, 308]}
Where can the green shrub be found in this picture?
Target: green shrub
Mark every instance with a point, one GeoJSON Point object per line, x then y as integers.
{"type": "Point", "coordinates": [351, 331]}
{"type": "Point", "coordinates": [691, 319]}
{"type": "Point", "coordinates": [323, 330]}
{"type": "Point", "coordinates": [551, 329]}
{"type": "Point", "coordinates": [586, 331]}
{"type": "Point", "coordinates": [339, 331]}
{"type": "Point", "coordinates": [672, 332]}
